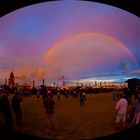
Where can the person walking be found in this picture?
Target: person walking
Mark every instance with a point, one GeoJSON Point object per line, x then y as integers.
{"type": "Point", "coordinates": [121, 107]}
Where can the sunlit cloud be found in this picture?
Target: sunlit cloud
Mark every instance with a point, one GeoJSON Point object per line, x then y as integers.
{"type": "Point", "coordinates": [78, 39]}
{"type": "Point", "coordinates": [136, 72]}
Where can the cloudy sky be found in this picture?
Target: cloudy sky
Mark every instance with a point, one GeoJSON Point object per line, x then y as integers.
{"type": "Point", "coordinates": [76, 39]}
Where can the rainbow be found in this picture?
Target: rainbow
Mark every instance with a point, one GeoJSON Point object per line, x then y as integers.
{"type": "Point", "coordinates": [74, 37]}
{"type": "Point", "coordinates": [89, 35]}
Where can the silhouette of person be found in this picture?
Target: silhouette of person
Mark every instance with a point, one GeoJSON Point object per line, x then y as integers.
{"type": "Point", "coordinates": [82, 100]}
{"type": "Point", "coordinates": [6, 109]}
{"type": "Point", "coordinates": [136, 119]}
{"type": "Point", "coordinates": [16, 100]}
{"type": "Point", "coordinates": [49, 105]}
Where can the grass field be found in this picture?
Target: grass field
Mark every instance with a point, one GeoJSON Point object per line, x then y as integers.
{"type": "Point", "coordinates": [96, 118]}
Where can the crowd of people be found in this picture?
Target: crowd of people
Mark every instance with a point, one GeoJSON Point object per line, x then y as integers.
{"type": "Point", "coordinates": [123, 114]}
{"type": "Point", "coordinates": [6, 108]}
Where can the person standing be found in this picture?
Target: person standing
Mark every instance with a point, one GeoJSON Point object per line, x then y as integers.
{"type": "Point", "coordinates": [121, 107]}
{"type": "Point", "coordinates": [136, 119]}
{"type": "Point", "coordinates": [49, 106]}
{"type": "Point", "coordinates": [6, 109]}
{"type": "Point", "coordinates": [16, 100]}
{"type": "Point", "coordinates": [58, 95]}
{"type": "Point", "coordinates": [38, 95]}
{"type": "Point", "coordinates": [115, 94]}
{"type": "Point", "coordinates": [84, 96]}
{"type": "Point", "coordinates": [82, 101]}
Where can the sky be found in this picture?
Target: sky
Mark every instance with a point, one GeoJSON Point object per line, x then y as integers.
{"type": "Point", "coordinates": [76, 40]}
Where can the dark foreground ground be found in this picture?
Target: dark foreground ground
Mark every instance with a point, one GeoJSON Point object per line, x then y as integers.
{"type": "Point", "coordinates": [95, 120]}
{"type": "Point", "coordinates": [129, 134]}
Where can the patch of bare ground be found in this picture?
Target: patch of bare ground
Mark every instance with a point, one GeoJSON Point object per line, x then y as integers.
{"type": "Point", "coordinates": [96, 118]}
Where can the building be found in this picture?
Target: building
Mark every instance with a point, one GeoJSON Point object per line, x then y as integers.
{"type": "Point", "coordinates": [11, 79]}
{"type": "Point", "coordinates": [133, 84]}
